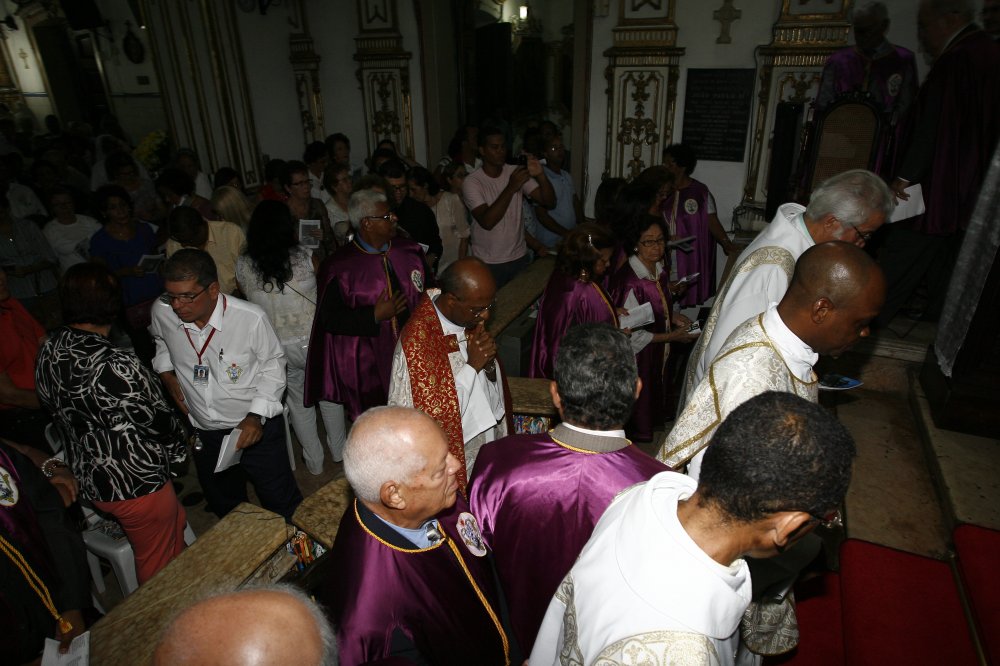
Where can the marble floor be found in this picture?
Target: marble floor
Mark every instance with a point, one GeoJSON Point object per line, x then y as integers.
{"type": "Point", "coordinates": [912, 482]}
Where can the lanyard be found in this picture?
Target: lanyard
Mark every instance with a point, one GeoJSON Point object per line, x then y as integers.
{"type": "Point", "coordinates": [210, 335]}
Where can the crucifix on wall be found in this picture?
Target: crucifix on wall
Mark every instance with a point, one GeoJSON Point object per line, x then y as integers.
{"type": "Point", "coordinates": [725, 15]}
{"type": "Point", "coordinates": [23, 55]}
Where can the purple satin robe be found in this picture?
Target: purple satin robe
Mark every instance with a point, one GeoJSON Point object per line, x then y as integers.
{"type": "Point", "coordinates": [378, 590]}
{"type": "Point", "coordinates": [692, 220]}
{"type": "Point", "coordinates": [354, 370]}
{"type": "Point", "coordinates": [537, 503]}
{"type": "Point", "coordinates": [565, 303]}
{"type": "Point", "coordinates": [650, 405]}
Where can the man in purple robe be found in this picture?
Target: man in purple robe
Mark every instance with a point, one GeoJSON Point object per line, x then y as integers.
{"type": "Point", "coordinates": [366, 291]}
{"type": "Point", "coordinates": [539, 496]}
{"type": "Point", "coordinates": [414, 575]}
{"type": "Point", "coordinates": [953, 132]}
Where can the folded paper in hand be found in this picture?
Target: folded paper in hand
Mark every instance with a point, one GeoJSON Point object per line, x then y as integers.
{"type": "Point", "coordinates": [229, 455]}
{"type": "Point", "coordinates": [911, 207]}
{"type": "Point", "coordinates": [638, 315]}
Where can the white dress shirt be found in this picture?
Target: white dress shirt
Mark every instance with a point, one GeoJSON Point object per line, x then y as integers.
{"type": "Point", "coordinates": [246, 364]}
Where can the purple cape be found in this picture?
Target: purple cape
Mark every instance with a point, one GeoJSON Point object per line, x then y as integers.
{"type": "Point", "coordinates": [424, 595]}
{"type": "Point", "coordinates": [354, 370]}
{"type": "Point", "coordinates": [565, 302]}
{"type": "Point", "coordinates": [701, 259]}
{"type": "Point", "coordinates": [650, 405]}
{"type": "Point", "coordinates": [538, 503]}
{"type": "Point", "coordinates": [963, 83]}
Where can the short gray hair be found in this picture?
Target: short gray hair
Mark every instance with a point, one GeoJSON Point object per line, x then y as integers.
{"type": "Point", "coordinates": [852, 197]}
{"type": "Point", "coordinates": [362, 205]}
{"type": "Point", "coordinates": [378, 452]}
{"type": "Point", "coordinates": [966, 9]}
{"type": "Point", "coordinates": [875, 10]}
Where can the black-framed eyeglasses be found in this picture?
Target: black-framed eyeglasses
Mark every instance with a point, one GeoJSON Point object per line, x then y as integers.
{"type": "Point", "coordinates": [385, 218]}
{"type": "Point", "coordinates": [168, 299]}
{"type": "Point", "coordinates": [865, 236]}
{"type": "Point", "coordinates": [832, 519]}
{"type": "Point", "coordinates": [653, 242]}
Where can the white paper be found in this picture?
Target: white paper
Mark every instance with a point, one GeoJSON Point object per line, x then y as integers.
{"type": "Point", "coordinates": [637, 317]}
{"type": "Point", "coordinates": [78, 654]}
{"type": "Point", "coordinates": [310, 233]}
{"type": "Point", "coordinates": [911, 207]}
{"type": "Point", "coordinates": [229, 455]}
{"type": "Point", "coordinates": [681, 241]}
{"type": "Point", "coordinates": [423, 247]}
{"type": "Point", "coordinates": [149, 263]}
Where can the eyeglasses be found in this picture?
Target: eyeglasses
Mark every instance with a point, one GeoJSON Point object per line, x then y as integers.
{"type": "Point", "coordinates": [865, 236]}
{"type": "Point", "coordinates": [399, 188]}
{"type": "Point", "coordinates": [478, 312]}
{"type": "Point", "coordinates": [832, 519]}
{"type": "Point", "coordinates": [653, 242]}
{"type": "Point", "coordinates": [388, 217]}
{"type": "Point", "coordinates": [167, 298]}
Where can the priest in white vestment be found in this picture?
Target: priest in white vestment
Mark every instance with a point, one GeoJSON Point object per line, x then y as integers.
{"type": "Point", "coordinates": [850, 206]}
{"type": "Point", "coordinates": [835, 291]}
{"type": "Point", "coordinates": [462, 306]}
{"type": "Point", "coordinates": [662, 579]}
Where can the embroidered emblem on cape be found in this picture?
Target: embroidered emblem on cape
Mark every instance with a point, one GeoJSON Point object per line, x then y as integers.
{"type": "Point", "coordinates": [894, 83]}
{"type": "Point", "coordinates": [690, 206]}
{"type": "Point", "coordinates": [468, 529]}
{"type": "Point", "coordinates": [417, 278]}
{"type": "Point", "coordinates": [234, 372]}
{"type": "Point", "coordinates": [9, 493]}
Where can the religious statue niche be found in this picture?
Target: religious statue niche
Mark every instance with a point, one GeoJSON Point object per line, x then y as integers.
{"type": "Point", "coordinates": [805, 34]}
{"type": "Point", "coordinates": [642, 70]}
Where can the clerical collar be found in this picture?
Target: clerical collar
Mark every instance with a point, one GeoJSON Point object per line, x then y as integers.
{"type": "Point", "coordinates": [448, 327]}
{"type": "Point", "coordinates": [799, 356]}
{"type": "Point", "coordinates": [368, 248]}
{"type": "Point", "coordinates": [595, 433]}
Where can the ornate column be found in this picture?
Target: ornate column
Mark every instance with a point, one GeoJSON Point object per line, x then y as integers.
{"type": "Point", "coordinates": [643, 66]}
{"type": "Point", "coordinates": [305, 65]}
{"type": "Point", "coordinates": [789, 71]}
{"type": "Point", "coordinates": [199, 63]}
{"type": "Point", "coordinates": [384, 75]}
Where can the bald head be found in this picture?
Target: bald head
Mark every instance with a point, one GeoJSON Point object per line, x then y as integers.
{"type": "Point", "coordinates": [257, 627]}
{"type": "Point", "coordinates": [836, 290]}
{"type": "Point", "coordinates": [467, 291]}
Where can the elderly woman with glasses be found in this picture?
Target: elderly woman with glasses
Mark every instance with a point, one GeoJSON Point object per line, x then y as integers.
{"type": "Point", "coordinates": [303, 205]}
{"type": "Point", "coordinates": [645, 278]}
{"type": "Point", "coordinates": [122, 434]}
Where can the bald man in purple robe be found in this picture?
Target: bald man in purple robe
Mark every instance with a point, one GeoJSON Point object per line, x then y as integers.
{"type": "Point", "coordinates": [538, 497]}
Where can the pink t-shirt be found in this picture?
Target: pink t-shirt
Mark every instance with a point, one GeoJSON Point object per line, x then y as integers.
{"type": "Point", "coordinates": [505, 241]}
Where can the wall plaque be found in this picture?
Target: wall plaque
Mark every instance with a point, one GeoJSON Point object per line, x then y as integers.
{"type": "Point", "coordinates": [717, 112]}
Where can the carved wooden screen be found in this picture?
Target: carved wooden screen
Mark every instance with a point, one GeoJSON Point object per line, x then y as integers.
{"type": "Point", "coordinates": [846, 136]}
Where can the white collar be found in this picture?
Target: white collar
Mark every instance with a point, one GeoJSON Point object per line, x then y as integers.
{"type": "Point", "coordinates": [798, 355]}
{"type": "Point", "coordinates": [215, 321]}
{"type": "Point", "coordinates": [640, 268]}
{"type": "Point", "coordinates": [447, 326]}
{"type": "Point", "coordinates": [596, 433]}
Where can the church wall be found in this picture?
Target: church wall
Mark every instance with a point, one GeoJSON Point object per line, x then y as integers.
{"type": "Point", "coordinates": [26, 71]}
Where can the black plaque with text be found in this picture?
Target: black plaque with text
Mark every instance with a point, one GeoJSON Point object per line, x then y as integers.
{"type": "Point", "coordinates": [717, 112]}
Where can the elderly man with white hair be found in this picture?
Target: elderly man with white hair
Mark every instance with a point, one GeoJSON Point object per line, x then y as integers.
{"type": "Point", "coordinates": [850, 207]}
{"type": "Point", "coordinates": [414, 576]}
{"type": "Point", "coordinates": [367, 289]}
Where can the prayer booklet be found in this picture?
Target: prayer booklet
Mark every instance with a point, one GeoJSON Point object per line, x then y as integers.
{"type": "Point", "coordinates": [229, 455]}
{"type": "Point", "coordinates": [78, 654]}
{"type": "Point", "coordinates": [310, 233]}
{"type": "Point", "coordinates": [150, 263]}
{"type": "Point", "coordinates": [638, 315]}
{"type": "Point", "coordinates": [911, 207]}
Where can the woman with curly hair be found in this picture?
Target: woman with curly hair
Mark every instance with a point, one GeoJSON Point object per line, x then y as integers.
{"type": "Point", "coordinates": [574, 294]}
{"type": "Point", "coordinates": [279, 275]}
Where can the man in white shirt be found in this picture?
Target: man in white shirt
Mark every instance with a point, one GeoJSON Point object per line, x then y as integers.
{"type": "Point", "coordinates": [850, 206]}
{"type": "Point", "coordinates": [68, 233]}
{"type": "Point", "coordinates": [447, 332]}
{"type": "Point", "coordinates": [836, 290]}
{"type": "Point", "coordinates": [662, 579]}
{"type": "Point", "coordinates": [223, 365]}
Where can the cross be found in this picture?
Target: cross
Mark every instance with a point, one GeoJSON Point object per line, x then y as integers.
{"type": "Point", "coordinates": [725, 15]}
{"type": "Point", "coordinates": [23, 55]}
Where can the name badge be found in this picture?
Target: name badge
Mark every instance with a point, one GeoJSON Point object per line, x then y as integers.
{"type": "Point", "coordinates": [200, 376]}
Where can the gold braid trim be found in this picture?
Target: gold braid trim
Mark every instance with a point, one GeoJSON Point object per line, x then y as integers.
{"type": "Point", "coordinates": [36, 583]}
{"type": "Point", "coordinates": [482, 600]}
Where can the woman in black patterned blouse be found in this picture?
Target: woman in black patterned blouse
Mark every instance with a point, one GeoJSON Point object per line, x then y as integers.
{"type": "Point", "coordinates": [122, 433]}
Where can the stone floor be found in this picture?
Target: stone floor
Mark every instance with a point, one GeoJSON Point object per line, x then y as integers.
{"type": "Point", "coordinates": [912, 482]}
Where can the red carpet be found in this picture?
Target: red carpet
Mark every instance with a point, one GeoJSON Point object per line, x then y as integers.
{"type": "Point", "coordinates": [821, 637]}
{"type": "Point", "coordinates": [978, 551]}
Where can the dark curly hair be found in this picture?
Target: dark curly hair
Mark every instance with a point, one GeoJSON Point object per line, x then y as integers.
{"type": "Point", "coordinates": [424, 178]}
{"type": "Point", "coordinates": [581, 248]}
{"type": "Point", "coordinates": [110, 191]}
{"type": "Point", "coordinates": [90, 294]}
{"type": "Point", "coordinates": [595, 375]}
{"type": "Point", "coordinates": [683, 156]}
{"type": "Point", "coordinates": [637, 227]}
{"type": "Point", "coordinates": [270, 239]}
{"type": "Point", "coordinates": [777, 452]}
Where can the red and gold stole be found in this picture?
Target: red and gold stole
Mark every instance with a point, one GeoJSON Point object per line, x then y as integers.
{"type": "Point", "coordinates": [432, 384]}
